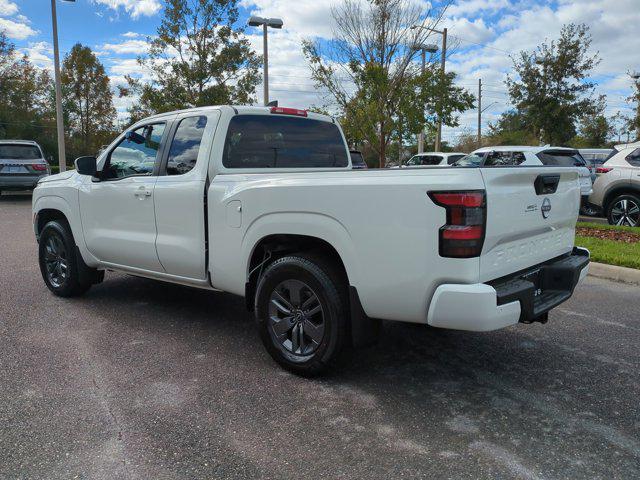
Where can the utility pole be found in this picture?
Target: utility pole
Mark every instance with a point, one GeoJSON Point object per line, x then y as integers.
{"type": "Point", "coordinates": [438, 145]}
{"type": "Point", "coordinates": [62, 158]}
{"type": "Point", "coordinates": [479, 112]}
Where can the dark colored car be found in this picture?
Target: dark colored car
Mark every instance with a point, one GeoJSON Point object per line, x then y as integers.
{"type": "Point", "coordinates": [22, 164]}
{"type": "Point", "coordinates": [357, 160]}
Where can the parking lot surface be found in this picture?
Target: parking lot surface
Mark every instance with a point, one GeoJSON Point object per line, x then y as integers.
{"type": "Point", "coordinates": [140, 379]}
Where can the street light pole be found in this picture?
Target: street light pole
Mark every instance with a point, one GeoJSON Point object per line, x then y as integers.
{"type": "Point", "coordinates": [62, 159]}
{"type": "Point", "coordinates": [438, 145]}
{"type": "Point", "coordinates": [442, 32]}
{"type": "Point", "coordinates": [421, 136]}
{"type": "Point", "coordinates": [265, 23]}
{"type": "Point", "coordinates": [265, 67]}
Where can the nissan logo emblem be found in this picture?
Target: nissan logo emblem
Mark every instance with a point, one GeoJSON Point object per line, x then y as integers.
{"type": "Point", "coordinates": [546, 208]}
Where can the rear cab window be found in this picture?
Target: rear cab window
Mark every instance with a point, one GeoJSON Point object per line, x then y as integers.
{"type": "Point", "coordinates": [274, 141]}
{"type": "Point", "coordinates": [562, 158]}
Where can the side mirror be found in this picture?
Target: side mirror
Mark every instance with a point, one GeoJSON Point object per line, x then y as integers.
{"type": "Point", "coordinates": [86, 166]}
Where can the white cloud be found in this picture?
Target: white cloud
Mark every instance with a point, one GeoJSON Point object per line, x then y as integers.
{"type": "Point", "coordinates": [135, 8]}
{"type": "Point", "coordinates": [40, 54]}
{"type": "Point", "coordinates": [131, 35]}
{"type": "Point", "coordinates": [16, 30]}
{"type": "Point", "coordinates": [127, 47]}
{"type": "Point", "coordinates": [469, 7]}
{"type": "Point", "coordinates": [7, 8]}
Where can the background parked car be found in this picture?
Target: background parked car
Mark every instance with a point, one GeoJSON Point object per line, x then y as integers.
{"type": "Point", "coordinates": [22, 164]}
{"type": "Point", "coordinates": [596, 156]}
{"type": "Point", "coordinates": [617, 188]}
{"type": "Point", "coordinates": [526, 155]}
{"type": "Point", "coordinates": [357, 160]}
{"type": "Point", "coordinates": [428, 159]}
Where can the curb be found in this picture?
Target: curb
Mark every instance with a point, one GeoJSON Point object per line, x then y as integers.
{"type": "Point", "coordinates": [615, 273]}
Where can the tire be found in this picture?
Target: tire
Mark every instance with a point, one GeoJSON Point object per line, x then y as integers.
{"type": "Point", "coordinates": [589, 210]}
{"type": "Point", "coordinates": [308, 296]}
{"type": "Point", "coordinates": [59, 263]}
{"type": "Point", "coordinates": [624, 210]}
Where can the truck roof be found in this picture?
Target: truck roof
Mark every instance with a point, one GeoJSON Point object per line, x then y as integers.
{"type": "Point", "coordinates": [240, 109]}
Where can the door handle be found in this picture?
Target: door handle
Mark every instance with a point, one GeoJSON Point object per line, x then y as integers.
{"type": "Point", "coordinates": [142, 193]}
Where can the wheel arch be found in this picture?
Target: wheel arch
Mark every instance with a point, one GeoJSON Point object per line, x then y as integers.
{"type": "Point", "coordinates": [50, 207]}
{"type": "Point", "coordinates": [273, 246]}
{"type": "Point", "coordinates": [616, 192]}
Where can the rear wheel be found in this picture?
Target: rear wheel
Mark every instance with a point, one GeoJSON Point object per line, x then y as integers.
{"type": "Point", "coordinates": [58, 261]}
{"type": "Point", "coordinates": [301, 311]}
{"type": "Point", "coordinates": [624, 210]}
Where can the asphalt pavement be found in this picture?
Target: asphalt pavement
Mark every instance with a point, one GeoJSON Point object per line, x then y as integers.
{"type": "Point", "coordinates": [146, 380]}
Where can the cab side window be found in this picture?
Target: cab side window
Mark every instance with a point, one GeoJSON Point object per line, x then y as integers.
{"type": "Point", "coordinates": [136, 154]}
{"type": "Point", "coordinates": [186, 145]}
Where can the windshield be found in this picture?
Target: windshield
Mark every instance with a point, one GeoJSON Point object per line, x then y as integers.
{"type": "Point", "coordinates": [19, 152]}
{"type": "Point", "coordinates": [471, 160]}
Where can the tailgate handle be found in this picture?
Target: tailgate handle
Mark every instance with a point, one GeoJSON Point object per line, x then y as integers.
{"type": "Point", "coordinates": [546, 184]}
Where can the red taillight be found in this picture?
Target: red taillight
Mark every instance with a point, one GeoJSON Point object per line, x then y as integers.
{"type": "Point", "coordinates": [39, 166]}
{"type": "Point", "coordinates": [603, 170]}
{"type": "Point", "coordinates": [289, 111]}
{"type": "Point", "coordinates": [463, 234]}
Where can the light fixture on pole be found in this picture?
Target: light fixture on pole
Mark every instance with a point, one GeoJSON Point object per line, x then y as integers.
{"type": "Point", "coordinates": [62, 159]}
{"type": "Point", "coordinates": [424, 48]}
{"type": "Point", "coordinates": [442, 32]}
{"type": "Point", "coordinates": [265, 23]}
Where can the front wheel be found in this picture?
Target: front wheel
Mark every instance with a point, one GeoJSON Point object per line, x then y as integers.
{"type": "Point", "coordinates": [624, 210]}
{"type": "Point", "coordinates": [58, 261]}
{"type": "Point", "coordinates": [301, 311]}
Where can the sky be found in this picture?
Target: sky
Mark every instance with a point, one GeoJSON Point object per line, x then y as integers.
{"type": "Point", "coordinates": [482, 36]}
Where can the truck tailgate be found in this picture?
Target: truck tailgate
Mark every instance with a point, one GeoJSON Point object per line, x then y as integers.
{"type": "Point", "coordinates": [528, 220]}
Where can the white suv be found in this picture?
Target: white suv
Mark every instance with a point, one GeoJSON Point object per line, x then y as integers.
{"type": "Point", "coordinates": [525, 155]}
{"type": "Point", "coordinates": [617, 186]}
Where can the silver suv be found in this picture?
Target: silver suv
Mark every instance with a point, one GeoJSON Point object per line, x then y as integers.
{"type": "Point", "coordinates": [22, 164]}
{"type": "Point", "coordinates": [617, 187]}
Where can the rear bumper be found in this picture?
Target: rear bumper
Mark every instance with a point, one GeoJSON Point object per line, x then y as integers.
{"type": "Point", "coordinates": [19, 182]}
{"type": "Point", "coordinates": [522, 297]}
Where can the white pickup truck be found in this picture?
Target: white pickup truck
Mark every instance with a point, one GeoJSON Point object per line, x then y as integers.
{"type": "Point", "coordinates": [262, 202]}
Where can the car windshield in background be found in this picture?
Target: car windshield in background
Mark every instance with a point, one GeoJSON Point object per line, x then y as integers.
{"type": "Point", "coordinates": [271, 141]}
{"type": "Point", "coordinates": [451, 159]}
{"type": "Point", "coordinates": [562, 158]}
{"type": "Point", "coordinates": [471, 160]}
{"type": "Point", "coordinates": [357, 161]}
{"type": "Point", "coordinates": [19, 152]}
{"type": "Point", "coordinates": [423, 160]}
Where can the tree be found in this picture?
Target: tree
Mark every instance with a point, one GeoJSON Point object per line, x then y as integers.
{"type": "Point", "coordinates": [370, 72]}
{"type": "Point", "coordinates": [197, 58]}
{"type": "Point", "coordinates": [550, 90]}
{"type": "Point", "coordinates": [594, 131]}
{"type": "Point", "coordinates": [87, 99]}
{"type": "Point", "coordinates": [26, 107]}
{"type": "Point", "coordinates": [511, 129]}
